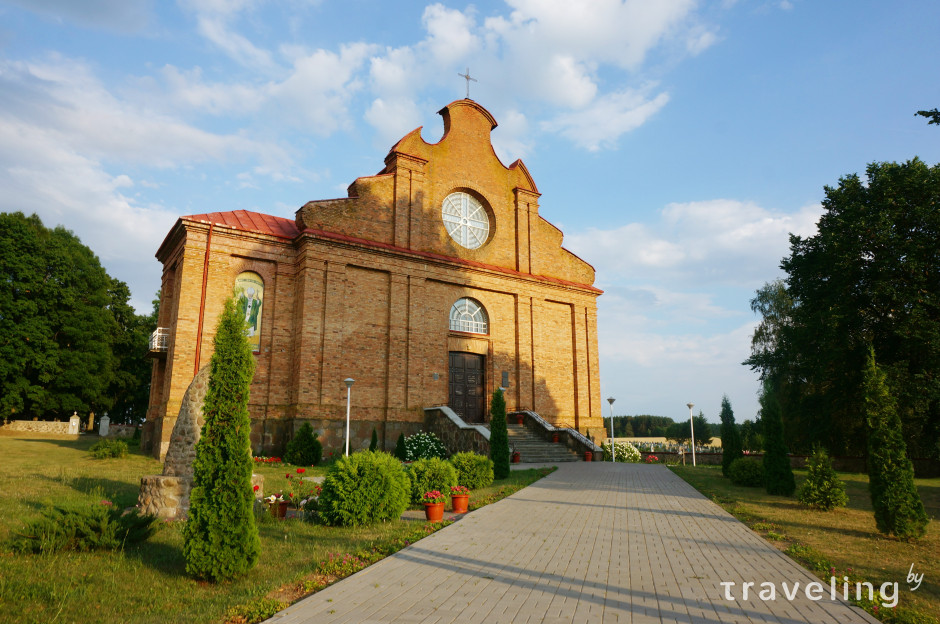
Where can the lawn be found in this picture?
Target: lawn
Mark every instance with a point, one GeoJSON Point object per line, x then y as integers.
{"type": "Point", "coordinates": [845, 539]}
{"type": "Point", "coordinates": [147, 583]}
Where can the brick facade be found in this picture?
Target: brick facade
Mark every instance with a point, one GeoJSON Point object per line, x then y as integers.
{"type": "Point", "coordinates": [363, 286]}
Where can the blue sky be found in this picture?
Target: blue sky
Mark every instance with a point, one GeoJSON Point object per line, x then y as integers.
{"type": "Point", "coordinates": [676, 143]}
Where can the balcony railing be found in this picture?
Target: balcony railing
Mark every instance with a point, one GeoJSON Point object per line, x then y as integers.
{"type": "Point", "coordinates": [160, 340]}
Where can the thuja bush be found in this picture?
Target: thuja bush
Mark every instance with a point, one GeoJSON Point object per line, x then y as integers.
{"type": "Point", "coordinates": [625, 452]}
{"type": "Point", "coordinates": [105, 449]}
{"type": "Point", "coordinates": [778, 474]}
{"type": "Point", "coordinates": [364, 488]}
{"type": "Point", "coordinates": [374, 443]}
{"type": "Point", "coordinates": [731, 445]}
{"type": "Point", "coordinates": [220, 539]}
{"type": "Point", "coordinates": [400, 451]}
{"type": "Point", "coordinates": [822, 488]}
{"type": "Point", "coordinates": [305, 448]}
{"type": "Point", "coordinates": [431, 474]}
{"type": "Point", "coordinates": [747, 471]}
{"type": "Point", "coordinates": [97, 527]}
{"type": "Point", "coordinates": [898, 507]}
{"type": "Point", "coordinates": [473, 471]}
{"type": "Point", "coordinates": [424, 445]}
{"type": "Point", "coordinates": [499, 436]}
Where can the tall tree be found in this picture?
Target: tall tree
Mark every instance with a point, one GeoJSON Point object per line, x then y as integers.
{"type": "Point", "coordinates": [682, 431]}
{"type": "Point", "coordinates": [731, 447]}
{"type": "Point", "coordinates": [130, 386]}
{"type": "Point", "coordinates": [58, 330]}
{"type": "Point", "coordinates": [898, 507]}
{"type": "Point", "coordinates": [932, 115]}
{"type": "Point", "coordinates": [778, 474]}
{"type": "Point", "coordinates": [220, 539]}
{"type": "Point", "coordinates": [867, 277]}
{"type": "Point", "coordinates": [499, 436]}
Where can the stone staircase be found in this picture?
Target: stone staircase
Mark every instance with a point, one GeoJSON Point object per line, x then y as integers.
{"type": "Point", "coordinates": [535, 449]}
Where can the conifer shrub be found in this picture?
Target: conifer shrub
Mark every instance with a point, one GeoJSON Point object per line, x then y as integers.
{"type": "Point", "coordinates": [305, 448]}
{"type": "Point", "coordinates": [431, 474]}
{"type": "Point", "coordinates": [106, 449]}
{"type": "Point", "coordinates": [499, 436]}
{"type": "Point", "coordinates": [374, 444]}
{"type": "Point", "coordinates": [778, 474]}
{"type": "Point", "coordinates": [731, 445]}
{"type": "Point", "coordinates": [898, 507]}
{"type": "Point", "coordinates": [363, 489]}
{"type": "Point", "coordinates": [424, 445]}
{"type": "Point", "coordinates": [747, 471]}
{"type": "Point", "coordinates": [95, 527]}
{"type": "Point", "coordinates": [400, 451]}
{"type": "Point", "coordinates": [220, 539]}
{"type": "Point", "coordinates": [822, 488]}
{"type": "Point", "coordinates": [473, 471]}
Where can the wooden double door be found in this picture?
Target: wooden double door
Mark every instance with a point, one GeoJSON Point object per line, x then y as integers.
{"type": "Point", "coordinates": [466, 386]}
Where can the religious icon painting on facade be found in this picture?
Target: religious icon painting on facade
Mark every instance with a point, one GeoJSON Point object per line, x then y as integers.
{"type": "Point", "coordinates": [250, 292]}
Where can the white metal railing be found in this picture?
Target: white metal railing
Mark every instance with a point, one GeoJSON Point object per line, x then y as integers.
{"type": "Point", "coordinates": [574, 433]}
{"type": "Point", "coordinates": [160, 339]}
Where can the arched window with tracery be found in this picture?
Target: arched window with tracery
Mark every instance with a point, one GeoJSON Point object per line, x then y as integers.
{"type": "Point", "coordinates": [467, 315]}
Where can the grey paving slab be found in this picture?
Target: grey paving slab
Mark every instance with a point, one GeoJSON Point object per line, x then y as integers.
{"type": "Point", "coordinates": [592, 542]}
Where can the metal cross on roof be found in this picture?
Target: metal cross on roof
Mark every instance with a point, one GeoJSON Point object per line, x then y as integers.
{"type": "Point", "coordinates": [468, 79]}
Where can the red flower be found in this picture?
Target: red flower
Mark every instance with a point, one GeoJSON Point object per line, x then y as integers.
{"type": "Point", "coordinates": [287, 476]}
{"type": "Point", "coordinates": [257, 487]}
{"type": "Point", "coordinates": [301, 470]}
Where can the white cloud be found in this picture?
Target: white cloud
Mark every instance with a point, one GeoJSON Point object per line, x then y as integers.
{"type": "Point", "coordinates": [127, 16]}
{"type": "Point", "coordinates": [605, 120]}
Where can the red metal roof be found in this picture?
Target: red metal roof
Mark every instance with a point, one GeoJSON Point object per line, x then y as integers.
{"type": "Point", "coordinates": [251, 222]}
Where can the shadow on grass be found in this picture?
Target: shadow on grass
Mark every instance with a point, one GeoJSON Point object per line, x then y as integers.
{"type": "Point", "coordinates": [118, 492]}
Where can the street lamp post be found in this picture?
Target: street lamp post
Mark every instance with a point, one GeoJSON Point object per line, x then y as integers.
{"type": "Point", "coordinates": [613, 449]}
{"type": "Point", "coordinates": [692, 430]}
{"type": "Point", "coordinates": [349, 381]}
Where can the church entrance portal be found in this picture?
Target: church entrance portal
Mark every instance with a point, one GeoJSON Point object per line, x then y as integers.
{"type": "Point", "coordinates": [467, 398]}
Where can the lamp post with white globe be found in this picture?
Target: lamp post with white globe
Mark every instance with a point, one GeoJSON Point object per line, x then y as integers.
{"type": "Point", "coordinates": [692, 430]}
{"type": "Point", "coordinates": [349, 381]}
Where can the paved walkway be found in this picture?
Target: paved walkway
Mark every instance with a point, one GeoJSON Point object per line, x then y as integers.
{"type": "Point", "coordinates": [592, 542]}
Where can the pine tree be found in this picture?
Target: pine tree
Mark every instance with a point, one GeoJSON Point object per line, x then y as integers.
{"type": "Point", "coordinates": [778, 474]}
{"type": "Point", "coordinates": [898, 507]}
{"type": "Point", "coordinates": [499, 436]}
{"type": "Point", "coordinates": [305, 449]}
{"type": "Point", "coordinates": [822, 488]}
{"type": "Point", "coordinates": [401, 452]}
{"type": "Point", "coordinates": [220, 539]}
{"type": "Point", "coordinates": [731, 445]}
{"type": "Point", "coordinates": [374, 444]}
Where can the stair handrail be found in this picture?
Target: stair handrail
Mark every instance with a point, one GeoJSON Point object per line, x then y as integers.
{"type": "Point", "coordinates": [574, 433]}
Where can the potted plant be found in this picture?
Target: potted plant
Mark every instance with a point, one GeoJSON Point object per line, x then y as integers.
{"type": "Point", "coordinates": [516, 457]}
{"type": "Point", "coordinates": [555, 437]}
{"type": "Point", "coordinates": [520, 418]}
{"type": "Point", "coordinates": [588, 456]}
{"type": "Point", "coordinates": [459, 499]}
{"type": "Point", "coordinates": [277, 505]}
{"type": "Point", "coordinates": [433, 505]}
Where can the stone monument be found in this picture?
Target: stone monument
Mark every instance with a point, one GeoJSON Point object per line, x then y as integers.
{"type": "Point", "coordinates": [167, 496]}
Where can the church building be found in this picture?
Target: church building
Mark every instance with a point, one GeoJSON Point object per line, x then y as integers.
{"type": "Point", "coordinates": [433, 283]}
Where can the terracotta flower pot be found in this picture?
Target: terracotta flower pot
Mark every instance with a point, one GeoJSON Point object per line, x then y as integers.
{"type": "Point", "coordinates": [555, 438]}
{"type": "Point", "coordinates": [588, 456]}
{"type": "Point", "coordinates": [459, 502]}
{"type": "Point", "coordinates": [434, 512]}
{"type": "Point", "coordinates": [516, 457]}
{"type": "Point", "coordinates": [519, 419]}
{"type": "Point", "coordinates": [278, 509]}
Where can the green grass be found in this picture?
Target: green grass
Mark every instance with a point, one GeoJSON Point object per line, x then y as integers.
{"type": "Point", "coordinates": [147, 583]}
{"type": "Point", "coordinates": [843, 539]}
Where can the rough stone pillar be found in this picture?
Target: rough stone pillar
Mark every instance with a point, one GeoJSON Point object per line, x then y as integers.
{"type": "Point", "coordinates": [91, 422]}
{"type": "Point", "coordinates": [104, 426]}
{"type": "Point", "coordinates": [75, 424]}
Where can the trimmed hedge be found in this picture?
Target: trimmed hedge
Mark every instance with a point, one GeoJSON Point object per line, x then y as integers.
{"type": "Point", "coordinates": [364, 488]}
{"type": "Point", "coordinates": [747, 471]}
{"type": "Point", "coordinates": [473, 471]}
{"type": "Point", "coordinates": [431, 474]}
